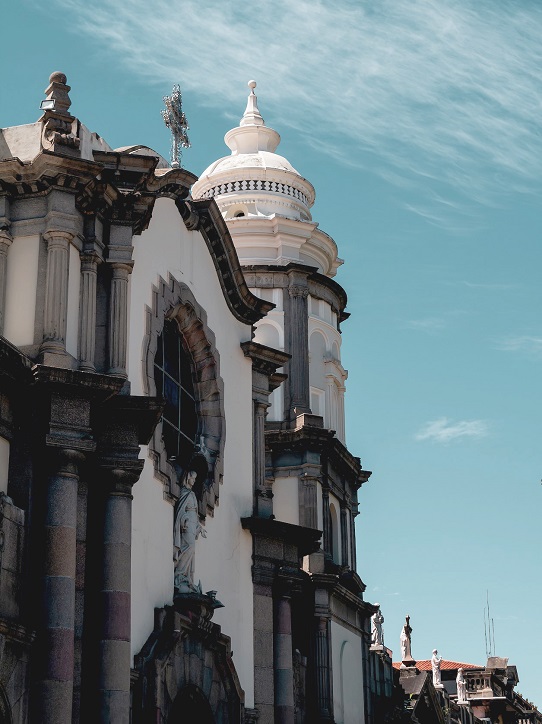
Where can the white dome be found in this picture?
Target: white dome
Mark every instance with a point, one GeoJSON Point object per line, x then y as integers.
{"type": "Point", "coordinates": [254, 178]}
{"type": "Point", "coordinates": [264, 200]}
{"type": "Point", "coordinates": [261, 159]}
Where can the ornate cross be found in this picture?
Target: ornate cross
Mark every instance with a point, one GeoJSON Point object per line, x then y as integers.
{"type": "Point", "coordinates": [175, 120]}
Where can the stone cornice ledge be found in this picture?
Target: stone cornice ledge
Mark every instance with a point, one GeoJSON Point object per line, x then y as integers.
{"type": "Point", "coordinates": [245, 306]}
{"type": "Point", "coordinates": [266, 360]}
{"type": "Point", "coordinates": [307, 539]}
{"type": "Point", "coordinates": [332, 584]}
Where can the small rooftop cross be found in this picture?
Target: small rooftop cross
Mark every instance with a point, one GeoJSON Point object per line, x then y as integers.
{"type": "Point", "coordinates": [175, 120]}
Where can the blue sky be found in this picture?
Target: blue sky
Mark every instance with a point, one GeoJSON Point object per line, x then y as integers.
{"type": "Point", "coordinates": [419, 123]}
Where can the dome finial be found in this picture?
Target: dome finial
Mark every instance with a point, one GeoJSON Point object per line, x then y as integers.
{"type": "Point", "coordinates": [252, 115]}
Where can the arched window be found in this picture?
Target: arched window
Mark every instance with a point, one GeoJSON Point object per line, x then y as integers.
{"type": "Point", "coordinates": [173, 376]}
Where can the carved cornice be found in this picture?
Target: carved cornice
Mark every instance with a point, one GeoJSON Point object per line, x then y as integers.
{"type": "Point", "coordinates": [306, 539]}
{"type": "Point", "coordinates": [244, 305]}
{"type": "Point", "coordinates": [319, 285]}
{"type": "Point", "coordinates": [324, 442]}
{"type": "Point", "coordinates": [14, 364]}
{"type": "Point", "coordinates": [266, 360]}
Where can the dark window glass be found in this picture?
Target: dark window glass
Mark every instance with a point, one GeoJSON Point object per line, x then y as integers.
{"type": "Point", "coordinates": [173, 377]}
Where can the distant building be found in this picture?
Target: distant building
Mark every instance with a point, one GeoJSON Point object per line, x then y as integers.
{"type": "Point", "coordinates": [490, 694]}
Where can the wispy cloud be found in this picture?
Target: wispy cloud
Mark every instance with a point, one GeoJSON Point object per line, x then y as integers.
{"type": "Point", "coordinates": [442, 93]}
{"type": "Point", "coordinates": [445, 430]}
{"type": "Point", "coordinates": [429, 324]}
{"type": "Point", "coordinates": [523, 343]}
{"type": "Point", "coordinates": [490, 286]}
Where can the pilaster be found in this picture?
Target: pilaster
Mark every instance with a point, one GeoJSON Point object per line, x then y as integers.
{"type": "Point", "coordinates": [265, 362]}
{"type": "Point", "coordinates": [118, 318]}
{"type": "Point", "coordinates": [297, 336]}
{"type": "Point", "coordinates": [87, 328]}
{"type": "Point", "coordinates": [56, 293]}
{"type": "Point", "coordinates": [344, 535]}
{"type": "Point", "coordinates": [322, 667]}
{"type": "Point", "coordinates": [6, 241]}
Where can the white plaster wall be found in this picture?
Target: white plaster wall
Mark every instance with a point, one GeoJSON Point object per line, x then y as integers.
{"type": "Point", "coordinates": [22, 274]}
{"type": "Point", "coordinates": [224, 558]}
{"type": "Point", "coordinates": [74, 286]}
{"type": "Point", "coordinates": [347, 665]}
{"type": "Point", "coordinates": [4, 464]}
{"type": "Point", "coordinates": [286, 500]}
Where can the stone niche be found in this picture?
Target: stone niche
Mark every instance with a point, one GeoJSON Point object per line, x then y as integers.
{"type": "Point", "coordinates": [185, 672]}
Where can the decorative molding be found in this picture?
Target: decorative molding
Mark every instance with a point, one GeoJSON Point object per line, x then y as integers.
{"type": "Point", "coordinates": [256, 185]}
{"type": "Point", "coordinates": [174, 300]}
{"type": "Point", "coordinates": [245, 306]}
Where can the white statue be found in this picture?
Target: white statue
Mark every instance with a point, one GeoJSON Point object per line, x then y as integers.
{"type": "Point", "coordinates": [377, 635]}
{"type": "Point", "coordinates": [461, 686]}
{"type": "Point", "coordinates": [406, 654]}
{"type": "Point", "coordinates": [435, 666]}
{"type": "Point", "coordinates": [186, 530]}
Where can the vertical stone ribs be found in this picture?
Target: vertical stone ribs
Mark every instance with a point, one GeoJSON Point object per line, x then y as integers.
{"type": "Point", "coordinates": [297, 336]}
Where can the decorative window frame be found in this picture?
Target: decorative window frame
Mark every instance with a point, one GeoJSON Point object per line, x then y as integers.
{"type": "Point", "coordinates": [174, 300]}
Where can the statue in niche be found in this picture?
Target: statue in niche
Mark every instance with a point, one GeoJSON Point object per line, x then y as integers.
{"type": "Point", "coordinates": [461, 686]}
{"type": "Point", "coordinates": [377, 634]}
{"type": "Point", "coordinates": [435, 666]}
{"type": "Point", "coordinates": [406, 631]}
{"type": "Point", "coordinates": [186, 530]}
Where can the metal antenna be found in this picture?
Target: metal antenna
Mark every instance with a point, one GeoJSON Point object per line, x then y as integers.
{"type": "Point", "coordinates": [489, 629]}
{"type": "Point", "coordinates": [175, 120]}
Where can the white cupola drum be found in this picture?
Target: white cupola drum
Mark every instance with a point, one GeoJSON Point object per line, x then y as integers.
{"type": "Point", "coordinates": [265, 201]}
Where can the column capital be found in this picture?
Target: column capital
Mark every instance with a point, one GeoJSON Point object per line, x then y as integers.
{"type": "Point", "coordinates": [120, 479]}
{"type": "Point", "coordinates": [6, 239]}
{"type": "Point", "coordinates": [58, 236]}
{"type": "Point", "coordinates": [121, 269]}
{"type": "Point", "coordinates": [295, 290]}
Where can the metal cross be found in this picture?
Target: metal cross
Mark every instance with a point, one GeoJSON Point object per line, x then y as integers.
{"type": "Point", "coordinates": [175, 120]}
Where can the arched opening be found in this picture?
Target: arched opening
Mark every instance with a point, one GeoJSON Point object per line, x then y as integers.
{"type": "Point", "coordinates": [191, 706]}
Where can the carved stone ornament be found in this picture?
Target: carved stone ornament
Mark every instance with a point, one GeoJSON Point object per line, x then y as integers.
{"type": "Point", "coordinates": [175, 301]}
{"type": "Point", "coordinates": [297, 291]}
{"type": "Point", "coordinates": [186, 531]}
{"type": "Point", "coordinates": [377, 634]}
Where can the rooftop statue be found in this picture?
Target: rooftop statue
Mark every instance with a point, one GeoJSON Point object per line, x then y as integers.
{"type": "Point", "coordinates": [435, 666]}
{"type": "Point", "coordinates": [461, 686]}
{"type": "Point", "coordinates": [406, 631]}
{"type": "Point", "coordinates": [377, 634]}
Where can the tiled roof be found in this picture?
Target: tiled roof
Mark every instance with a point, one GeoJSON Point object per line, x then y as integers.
{"type": "Point", "coordinates": [444, 666]}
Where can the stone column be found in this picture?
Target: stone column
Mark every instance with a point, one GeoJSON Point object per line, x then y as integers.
{"type": "Point", "coordinates": [118, 318]}
{"type": "Point", "coordinates": [322, 661]}
{"type": "Point", "coordinates": [340, 416]}
{"type": "Point", "coordinates": [56, 291]}
{"type": "Point", "coordinates": [260, 411]}
{"type": "Point", "coordinates": [353, 508]}
{"type": "Point", "coordinates": [326, 514]}
{"type": "Point", "coordinates": [114, 657]}
{"type": "Point", "coordinates": [344, 535]}
{"type": "Point", "coordinates": [87, 326]}
{"type": "Point", "coordinates": [5, 242]}
{"type": "Point", "coordinates": [297, 325]}
{"type": "Point", "coordinates": [283, 661]}
{"type": "Point", "coordinates": [308, 501]}
{"type": "Point", "coordinates": [54, 702]}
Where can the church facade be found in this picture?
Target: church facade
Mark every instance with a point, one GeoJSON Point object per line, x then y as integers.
{"type": "Point", "coordinates": [177, 500]}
